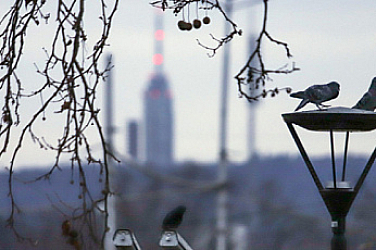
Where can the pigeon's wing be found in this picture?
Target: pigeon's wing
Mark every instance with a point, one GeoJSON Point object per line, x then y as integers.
{"type": "Point", "coordinates": [317, 93]}
{"type": "Point", "coordinates": [321, 93]}
{"type": "Point", "coordinates": [302, 104]}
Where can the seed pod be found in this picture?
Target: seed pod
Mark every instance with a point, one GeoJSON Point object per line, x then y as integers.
{"type": "Point", "coordinates": [196, 23]}
{"type": "Point", "coordinates": [182, 25]}
{"type": "Point", "coordinates": [188, 26]}
{"type": "Point", "coordinates": [206, 20]}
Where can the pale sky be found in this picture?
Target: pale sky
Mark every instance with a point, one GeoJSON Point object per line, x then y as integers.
{"type": "Point", "coordinates": [330, 40]}
{"type": "Point", "coordinates": [333, 40]}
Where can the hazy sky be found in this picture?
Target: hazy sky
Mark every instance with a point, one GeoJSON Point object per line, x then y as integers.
{"type": "Point", "coordinates": [330, 40]}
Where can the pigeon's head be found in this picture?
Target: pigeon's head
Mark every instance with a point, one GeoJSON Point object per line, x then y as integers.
{"type": "Point", "coordinates": [181, 209]}
{"type": "Point", "coordinates": [334, 85]}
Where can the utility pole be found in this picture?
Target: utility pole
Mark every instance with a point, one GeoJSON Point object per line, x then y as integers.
{"type": "Point", "coordinates": [253, 91]}
{"type": "Point", "coordinates": [221, 243]}
{"type": "Point", "coordinates": [109, 131]}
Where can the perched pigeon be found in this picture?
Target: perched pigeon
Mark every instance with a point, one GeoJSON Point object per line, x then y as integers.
{"type": "Point", "coordinates": [173, 218]}
{"type": "Point", "coordinates": [317, 94]}
{"type": "Point", "coordinates": [368, 101]}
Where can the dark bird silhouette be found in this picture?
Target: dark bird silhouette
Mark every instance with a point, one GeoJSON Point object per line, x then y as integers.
{"type": "Point", "coordinates": [317, 94]}
{"type": "Point", "coordinates": [368, 100]}
{"type": "Point", "coordinates": [174, 218]}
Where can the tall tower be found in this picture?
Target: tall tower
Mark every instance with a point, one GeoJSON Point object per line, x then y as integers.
{"type": "Point", "coordinates": [109, 132]}
{"type": "Point", "coordinates": [132, 135]}
{"type": "Point", "coordinates": [158, 107]}
{"type": "Point", "coordinates": [252, 107]}
{"type": "Point", "coordinates": [253, 91]}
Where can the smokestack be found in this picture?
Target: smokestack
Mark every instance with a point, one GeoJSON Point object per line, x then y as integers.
{"type": "Point", "coordinates": [133, 139]}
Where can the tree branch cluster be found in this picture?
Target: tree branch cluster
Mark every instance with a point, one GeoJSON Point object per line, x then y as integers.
{"type": "Point", "coordinates": [253, 76]}
{"type": "Point", "coordinates": [70, 78]}
{"type": "Point", "coordinates": [71, 74]}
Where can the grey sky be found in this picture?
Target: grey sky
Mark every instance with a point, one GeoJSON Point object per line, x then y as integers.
{"type": "Point", "coordinates": [330, 40]}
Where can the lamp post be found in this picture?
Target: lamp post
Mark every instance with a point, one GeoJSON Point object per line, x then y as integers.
{"type": "Point", "coordinates": [338, 195]}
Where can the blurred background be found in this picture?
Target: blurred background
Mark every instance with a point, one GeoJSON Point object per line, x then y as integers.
{"type": "Point", "coordinates": [167, 90]}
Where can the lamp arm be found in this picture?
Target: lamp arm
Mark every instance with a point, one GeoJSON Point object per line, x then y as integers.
{"type": "Point", "coordinates": [365, 172]}
{"type": "Point", "coordinates": [305, 156]}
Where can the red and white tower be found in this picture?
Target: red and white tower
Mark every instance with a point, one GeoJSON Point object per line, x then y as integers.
{"type": "Point", "coordinates": [158, 103]}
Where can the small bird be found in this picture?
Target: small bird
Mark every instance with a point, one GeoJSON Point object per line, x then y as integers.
{"type": "Point", "coordinates": [368, 101]}
{"type": "Point", "coordinates": [174, 218]}
{"type": "Point", "coordinates": [317, 94]}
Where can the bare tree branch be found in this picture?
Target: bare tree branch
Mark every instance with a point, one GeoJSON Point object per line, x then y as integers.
{"type": "Point", "coordinates": [256, 77]}
{"type": "Point", "coordinates": [254, 74]}
{"type": "Point", "coordinates": [71, 76]}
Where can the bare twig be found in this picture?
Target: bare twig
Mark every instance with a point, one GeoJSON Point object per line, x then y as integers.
{"type": "Point", "coordinates": [254, 74]}
{"type": "Point", "coordinates": [71, 76]}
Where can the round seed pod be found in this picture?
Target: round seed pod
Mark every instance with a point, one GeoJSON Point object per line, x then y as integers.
{"type": "Point", "coordinates": [182, 25]}
{"type": "Point", "coordinates": [188, 26]}
{"type": "Point", "coordinates": [196, 23]}
{"type": "Point", "coordinates": [206, 20]}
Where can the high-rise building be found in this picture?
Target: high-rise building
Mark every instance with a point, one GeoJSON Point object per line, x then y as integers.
{"type": "Point", "coordinates": [158, 108]}
{"type": "Point", "coordinates": [132, 135]}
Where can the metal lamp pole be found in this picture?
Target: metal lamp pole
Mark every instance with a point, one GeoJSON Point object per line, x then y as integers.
{"type": "Point", "coordinates": [338, 195]}
{"type": "Point", "coordinates": [222, 223]}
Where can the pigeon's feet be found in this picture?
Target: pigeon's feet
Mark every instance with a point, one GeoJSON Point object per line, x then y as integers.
{"type": "Point", "coordinates": [325, 106]}
{"type": "Point", "coordinates": [322, 106]}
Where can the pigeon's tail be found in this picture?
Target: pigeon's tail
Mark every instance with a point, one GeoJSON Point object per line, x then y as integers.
{"type": "Point", "coordinates": [302, 104]}
{"type": "Point", "coordinates": [299, 94]}
{"type": "Point", "coordinates": [357, 106]}
{"type": "Point", "coordinates": [365, 104]}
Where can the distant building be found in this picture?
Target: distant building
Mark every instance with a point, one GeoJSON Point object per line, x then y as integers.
{"type": "Point", "coordinates": [132, 134]}
{"type": "Point", "coordinates": [159, 121]}
{"type": "Point", "coordinates": [158, 104]}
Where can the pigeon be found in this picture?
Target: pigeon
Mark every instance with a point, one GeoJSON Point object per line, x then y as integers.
{"type": "Point", "coordinates": [317, 94]}
{"type": "Point", "coordinates": [173, 219]}
{"type": "Point", "coordinates": [368, 101]}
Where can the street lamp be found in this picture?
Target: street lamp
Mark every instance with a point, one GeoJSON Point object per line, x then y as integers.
{"type": "Point", "coordinates": [172, 240]}
{"type": "Point", "coordinates": [124, 239]}
{"type": "Point", "coordinates": [338, 195]}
